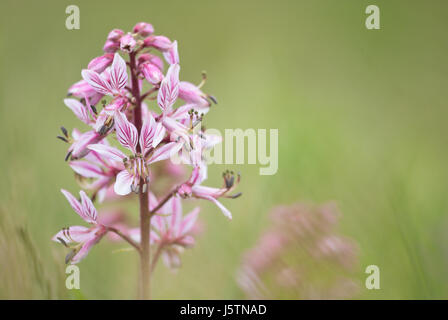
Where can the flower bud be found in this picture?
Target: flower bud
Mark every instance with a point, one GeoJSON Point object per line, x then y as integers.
{"type": "Point", "coordinates": [155, 60]}
{"type": "Point", "coordinates": [111, 46]}
{"type": "Point", "coordinates": [100, 63]}
{"type": "Point", "coordinates": [161, 43]}
{"type": "Point", "coordinates": [127, 43]}
{"type": "Point", "coordinates": [115, 35]}
{"type": "Point", "coordinates": [152, 73]}
{"type": "Point", "coordinates": [144, 29]}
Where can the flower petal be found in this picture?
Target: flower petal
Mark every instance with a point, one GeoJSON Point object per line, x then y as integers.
{"type": "Point", "coordinates": [169, 89]}
{"type": "Point", "coordinates": [73, 234]}
{"type": "Point", "coordinates": [96, 81]}
{"type": "Point", "coordinates": [172, 55]}
{"type": "Point", "coordinates": [78, 109]}
{"type": "Point", "coordinates": [118, 74]}
{"type": "Point", "coordinates": [165, 152]}
{"type": "Point", "coordinates": [189, 221]}
{"type": "Point", "coordinates": [108, 152]}
{"type": "Point", "coordinates": [74, 203]}
{"type": "Point", "coordinates": [224, 210]}
{"type": "Point", "coordinates": [127, 133]}
{"type": "Point", "coordinates": [96, 237]}
{"type": "Point", "coordinates": [147, 133]}
{"type": "Point", "coordinates": [123, 183]}
{"type": "Point", "coordinates": [88, 208]}
{"type": "Point", "coordinates": [86, 169]}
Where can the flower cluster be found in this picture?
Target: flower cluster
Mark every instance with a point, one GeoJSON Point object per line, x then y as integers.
{"type": "Point", "coordinates": [113, 99]}
{"type": "Point", "coordinates": [300, 257]}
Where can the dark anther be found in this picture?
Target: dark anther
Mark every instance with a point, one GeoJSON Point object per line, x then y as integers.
{"type": "Point", "coordinates": [68, 155]}
{"type": "Point", "coordinates": [62, 138]}
{"type": "Point", "coordinates": [63, 242]}
{"type": "Point", "coordinates": [64, 131]}
{"type": "Point", "coordinates": [94, 109]}
{"type": "Point", "coordinates": [213, 99]}
{"type": "Point", "coordinates": [70, 256]}
{"type": "Point", "coordinates": [236, 195]}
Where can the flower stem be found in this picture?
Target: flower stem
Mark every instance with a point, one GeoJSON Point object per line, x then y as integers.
{"type": "Point", "coordinates": [145, 217]}
{"type": "Point", "coordinates": [125, 237]}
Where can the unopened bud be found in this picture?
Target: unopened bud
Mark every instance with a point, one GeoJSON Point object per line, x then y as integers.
{"type": "Point", "coordinates": [111, 46]}
{"type": "Point", "coordinates": [127, 43]}
{"type": "Point", "coordinates": [152, 73]}
{"type": "Point", "coordinates": [99, 64]}
{"type": "Point", "coordinates": [115, 35]}
{"type": "Point", "coordinates": [144, 29]}
{"type": "Point", "coordinates": [161, 43]}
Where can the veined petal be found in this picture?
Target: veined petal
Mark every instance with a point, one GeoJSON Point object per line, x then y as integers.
{"type": "Point", "coordinates": [78, 109]}
{"type": "Point", "coordinates": [165, 152]}
{"type": "Point", "coordinates": [123, 183]}
{"type": "Point", "coordinates": [189, 221]}
{"type": "Point", "coordinates": [74, 203]}
{"type": "Point", "coordinates": [96, 237]}
{"type": "Point", "coordinates": [86, 169]}
{"type": "Point", "coordinates": [88, 208]}
{"type": "Point", "coordinates": [169, 89]}
{"type": "Point", "coordinates": [158, 135]}
{"type": "Point", "coordinates": [220, 206]}
{"type": "Point", "coordinates": [73, 234]}
{"type": "Point", "coordinates": [96, 81]}
{"type": "Point", "coordinates": [176, 215]}
{"type": "Point", "coordinates": [147, 133]}
{"type": "Point", "coordinates": [108, 152]}
{"type": "Point", "coordinates": [118, 74]}
{"type": "Point", "coordinates": [127, 133]}
{"type": "Point", "coordinates": [172, 55]}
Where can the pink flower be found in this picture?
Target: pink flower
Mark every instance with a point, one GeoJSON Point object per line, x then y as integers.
{"type": "Point", "coordinates": [80, 239]}
{"type": "Point", "coordinates": [99, 170]}
{"type": "Point", "coordinates": [136, 166]}
{"type": "Point", "coordinates": [193, 188]}
{"type": "Point", "coordinates": [112, 85]}
{"type": "Point", "coordinates": [143, 29]}
{"type": "Point", "coordinates": [193, 95]}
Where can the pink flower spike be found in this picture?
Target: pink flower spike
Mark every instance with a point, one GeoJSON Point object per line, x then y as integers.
{"type": "Point", "coordinates": [172, 55]}
{"type": "Point", "coordinates": [144, 29]}
{"type": "Point", "coordinates": [96, 81]}
{"type": "Point", "coordinates": [169, 89]}
{"type": "Point", "coordinates": [118, 74]}
{"type": "Point", "coordinates": [78, 109]}
{"type": "Point", "coordinates": [127, 43]}
{"type": "Point", "coordinates": [151, 73]}
{"type": "Point", "coordinates": [127, 133]}
{"type": "Point", "coordinates": [99, 64]}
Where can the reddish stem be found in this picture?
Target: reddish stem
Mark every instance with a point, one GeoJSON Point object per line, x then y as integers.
{"type": "Point", "coordinates": [145, 217]}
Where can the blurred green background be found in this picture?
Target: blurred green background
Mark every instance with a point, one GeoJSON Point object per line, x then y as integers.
{"type": "Point", "coordinates": [361, 117]}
